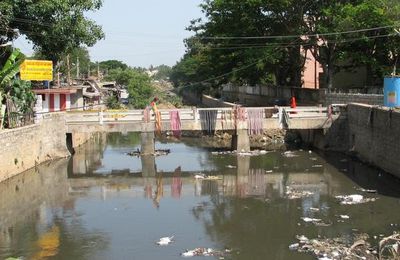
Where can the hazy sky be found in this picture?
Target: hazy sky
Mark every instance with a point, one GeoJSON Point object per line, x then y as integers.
{"type": "Point", "coordinates": [141, 33]}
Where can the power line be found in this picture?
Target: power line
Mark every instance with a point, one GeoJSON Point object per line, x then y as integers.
{"type": "Point", "coordinates": [261, 46]}
{"type": "Point", "coordinates": [293, 36]}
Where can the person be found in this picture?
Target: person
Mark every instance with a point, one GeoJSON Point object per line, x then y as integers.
{"type": "Point", "coordinates": [157, 114]}
{"type": "Point", "coordinates": [153, 103]}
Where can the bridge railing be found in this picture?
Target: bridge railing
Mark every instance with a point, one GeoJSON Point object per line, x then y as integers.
{"type": "Point", "coordinates": [193, 114]}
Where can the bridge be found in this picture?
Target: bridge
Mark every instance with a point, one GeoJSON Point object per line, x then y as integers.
{"type": "Point", "coordinates": [203, 119]}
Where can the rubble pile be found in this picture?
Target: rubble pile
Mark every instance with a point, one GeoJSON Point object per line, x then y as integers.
{"type": "Point", "coordinates": [202, 251]}
{"type": "Point", "coordinates": [348, 249]}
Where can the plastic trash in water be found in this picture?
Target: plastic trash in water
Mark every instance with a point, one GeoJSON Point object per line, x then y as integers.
{"type": "Point", "coordinates": [164, 241]}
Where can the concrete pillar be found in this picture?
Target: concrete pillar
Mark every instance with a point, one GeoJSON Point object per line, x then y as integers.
{"type": "Point", "coordinates": [241, 141]}
{"type": "Point", "coordinates": [148, 147]}
{"type": "Point", "coordinates": [149, 168]}
{"type": "Point", "coordinates": [243, 165]}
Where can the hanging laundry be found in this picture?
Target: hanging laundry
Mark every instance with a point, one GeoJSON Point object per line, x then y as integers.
{"type": "Point", "coordinates": [255, 121]}
{"type": "Point", "coordinates": [175, 121]}
{"type": "Point", "coordinates": [226, 118]}
{"type": "Point", "coordinates": [208, 119]}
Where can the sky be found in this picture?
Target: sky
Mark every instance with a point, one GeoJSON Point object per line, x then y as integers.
{"type": "Point", "coordinates": [141, 33]}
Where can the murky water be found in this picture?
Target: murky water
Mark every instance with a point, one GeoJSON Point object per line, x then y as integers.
{"type": "Point", "coordinates": [101, 205]}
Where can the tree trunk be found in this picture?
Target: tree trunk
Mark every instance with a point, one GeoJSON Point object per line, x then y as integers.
{"type": "Point", "coordinates": [329, 76]}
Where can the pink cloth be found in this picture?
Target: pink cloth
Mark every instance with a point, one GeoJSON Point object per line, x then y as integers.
{"type": "Point", "coordinates": [255, 121]}
{"type": "Point", "coordinates": [175, 120]}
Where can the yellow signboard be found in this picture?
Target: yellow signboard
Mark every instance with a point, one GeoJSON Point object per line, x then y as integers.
{"type": "Point", "coordinates": [39, 70]}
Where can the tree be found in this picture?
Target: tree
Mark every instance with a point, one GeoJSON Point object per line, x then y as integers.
{"type": "Point", "coordinates": [138, 84]}
{"type": "Point", "coordinates": [260, 41]}
{"type": "Point", "coordinates": [112, 65]}
{"type": "Point", "coordinates": [54, 27]}
{"type": "Point", "coordinates": [164, 72]}
{"type": "Point", "coordinates": [9, 70]}
{"type": "Point", "coordinates": [221, 45]}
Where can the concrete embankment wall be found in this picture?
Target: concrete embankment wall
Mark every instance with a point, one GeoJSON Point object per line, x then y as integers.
{"type": "Point", "coordinates": [374, 136]}
{"type": "Point", "coordinates": [346, 98]}
{"type": "Point", "coordinates": [269, 95]}
{"type": "Point", "coordinates": [26, 147]}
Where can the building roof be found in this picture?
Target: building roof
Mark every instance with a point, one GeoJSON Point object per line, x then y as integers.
{"type": "Point", "coordinates": [55, 91]}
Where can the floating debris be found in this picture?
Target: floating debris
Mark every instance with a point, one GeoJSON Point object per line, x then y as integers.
{"type": "Point", "coordinates": [317, 166]}
{"type": "Point", "coordinates": [306, 219]}
{"type": "Point", "coordinates": [315, 209]}
{"type": "Point", "coordinates": [202, 251]}
{"type": "Point", "coordinates": [368, 191]}
{"type": "Point", "coordinates": [297, 194]}
{"type": "Point", "coordinates": [269, 171]}
{"type": "Point", "coordinates": [200, 176]}
{"type": "Point", "coordinates": [354, 199]}
{"type": "Point", "coordinates": [164, 241]}
{"type": "Point", "coordinates": [344, 216]}
{"type": "Point", "coordinates": [313, 158]}
{"type": "Point", "coordinates": [294, 246]}
{"type": "Point", "coordinates": [357, 247]}
{"type": "Point", "coordinates": [289, 154]}
{"type": "Point", "coordinates": [231, 166]}
{"type": "Point", "coordinates": [158, 152]}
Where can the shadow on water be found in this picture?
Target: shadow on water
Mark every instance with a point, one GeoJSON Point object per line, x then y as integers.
{"type": "Point", "coordinates": [366, 176]}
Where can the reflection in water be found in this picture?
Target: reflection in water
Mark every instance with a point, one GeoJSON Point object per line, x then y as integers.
{"type": "Point", "coordinates": [38, 216]}
{"type": "Point", "coordinates": [48, 243]}
{"type": "Point", "coordinates": [159, 193]}
{"type": "Point", "coordinates": [176, 186]}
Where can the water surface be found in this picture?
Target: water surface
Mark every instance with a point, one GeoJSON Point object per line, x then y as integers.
{"type": "Point", "coordinates": [103, 204]}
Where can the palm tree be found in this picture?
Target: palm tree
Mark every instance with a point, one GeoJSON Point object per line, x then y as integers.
{"type": "Point", "coordinates": [10, 69]}
{"type": "Point", "coordinates": [7, 73]}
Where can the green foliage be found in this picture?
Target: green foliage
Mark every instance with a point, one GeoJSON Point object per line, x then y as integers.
{"type": "Point", "coordinates": [10, 68]}
{"type": "Point", "coordinates": [53, 26]}
{"type": "Point", "coordinates": [112, 65]}
{"type": "Point", "coordinates": [237, 41]}
{"type": "Point", "coordinates": [22, 95]}
{"type": "Point", "coordinates": [140, 90]}
{"type": "Point", "coordinates": [112, 103]}
{"type": "Point", "coordinates": [137, 83]}
{"type": "Point", "coordinates": [164, 72]}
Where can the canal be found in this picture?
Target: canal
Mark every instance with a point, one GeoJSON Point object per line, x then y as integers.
{"type": "Point", "coordinates": [104, 204]}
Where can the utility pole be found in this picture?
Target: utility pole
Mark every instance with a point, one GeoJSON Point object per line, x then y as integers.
{"type": "Point", "coordinates": [68, 71]}
{"type": "Point", "coordinates": [98, 71]}
{"type": "Point", "coordinates": [77, 67]}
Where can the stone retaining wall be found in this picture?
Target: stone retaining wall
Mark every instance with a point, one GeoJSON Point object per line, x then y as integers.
{"type": "Point", "coordinates": [374, 136]}
{"type": "Point", "coordinates": [25, 147]}
{"type": "Point", "coordinates": [346, 98]}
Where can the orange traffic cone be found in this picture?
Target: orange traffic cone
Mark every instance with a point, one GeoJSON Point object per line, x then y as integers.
{"type": "Point", "coordinates": [293, 102]}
